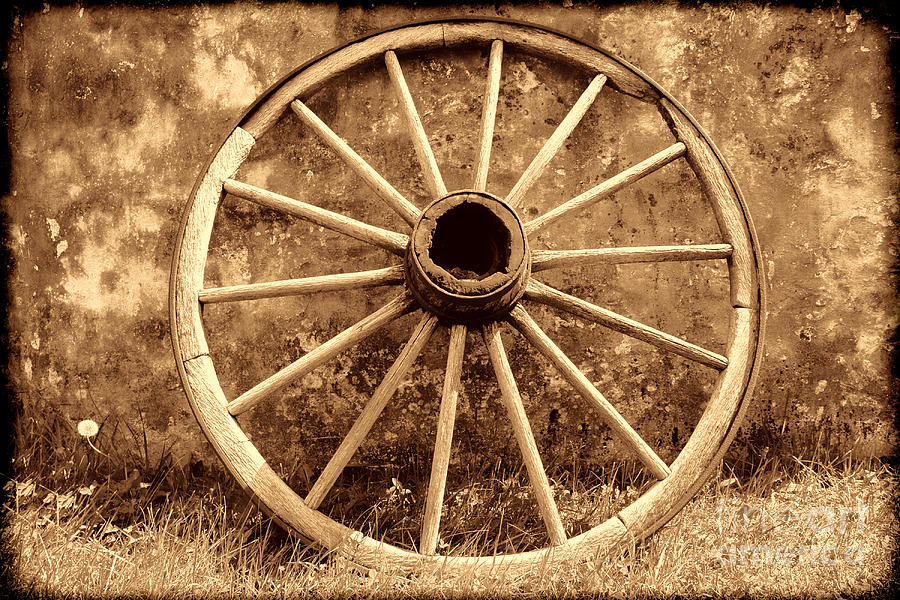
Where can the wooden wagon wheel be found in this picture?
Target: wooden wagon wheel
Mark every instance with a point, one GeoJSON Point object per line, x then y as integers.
{"type": "Point", "coordinates": [476, 286]}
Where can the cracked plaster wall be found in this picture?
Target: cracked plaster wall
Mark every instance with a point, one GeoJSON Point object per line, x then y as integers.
{"type": "Point", "coordinates": [113, 111]}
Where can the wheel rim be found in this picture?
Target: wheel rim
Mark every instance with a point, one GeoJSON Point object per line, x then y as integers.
{"type": "Point", "coordinates": [217, 414]}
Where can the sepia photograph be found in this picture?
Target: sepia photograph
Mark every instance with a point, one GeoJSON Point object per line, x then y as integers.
{"type": "Point", "coordinates": [540, 299]}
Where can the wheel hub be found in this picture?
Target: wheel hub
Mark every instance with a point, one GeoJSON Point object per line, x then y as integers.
{"type": "Point", "coordinates": [468, 258]}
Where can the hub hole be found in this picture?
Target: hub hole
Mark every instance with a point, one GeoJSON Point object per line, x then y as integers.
{"type": "Point", "coordinates": [470, 242]}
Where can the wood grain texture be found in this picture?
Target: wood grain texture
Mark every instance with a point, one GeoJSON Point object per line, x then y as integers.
{"type": "Point", "coordinates": [433, 180]}
{"type": "Point", "coordinates": [321, 354]}
{"type": "Point", "coordinates": [605, 188]}
{"type": "Point", "coordinates": [389, 240]}
{"type": "Point", "coordinates": [373, 408]}
{"type": "Point", "coordinates": [707, 442]}
{"type": "Point", "coordinates": [522, 321]}
{"type": "Point", "coordinates": [488, 116]}
{"type": "Point", "coordinates": [440, 461]}
{"type": "Point", "coordinates": [717, 187]}
{"type": "Point", "coordinates": [191, 261]}
{"type": "Point", "coordinates": [555, 141]}
{"type": "Point", "coordinates": [305, 285]}
{"type": "Point", "coordinates": [243, 460]}
{"type": "Point", "coordinates": [433, 35]}
{"type": "Point", "coordinates": [239, 455]}
{"type": "Point", "coordinates": [545, 294]}
{"type": "Point", "coordinates": [542, 260]}
{"type": "Point", "coordinates": [524, 436]}
{"type": "Point", "coordinates": [403, 207]}
{"type": "Point", "coordinates": [321, 71]}
{"type": "Point", "coordinates": [550, 45]}
{"type": "Point", "coordinates": [249, 468]}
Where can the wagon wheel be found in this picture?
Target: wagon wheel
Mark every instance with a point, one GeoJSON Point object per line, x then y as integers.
{"type": "Point", "coordinates": [469, 288]}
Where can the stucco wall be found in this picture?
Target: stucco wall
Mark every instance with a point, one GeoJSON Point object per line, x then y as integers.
{"type": "Point", "coordinates": [113, 112]}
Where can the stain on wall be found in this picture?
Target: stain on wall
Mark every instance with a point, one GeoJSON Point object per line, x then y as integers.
{"type": "Point", "coordinates": [114, 111]}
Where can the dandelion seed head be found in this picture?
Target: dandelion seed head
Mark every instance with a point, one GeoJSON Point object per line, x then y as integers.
{"type": "Point", "coordinates": [88, 428]}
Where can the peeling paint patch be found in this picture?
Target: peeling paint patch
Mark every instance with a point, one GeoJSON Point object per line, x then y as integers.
{"type": "Point", "coordinates": [227, 83]}
{"type": "Point", "coordinates": [670, 51]}
{"type": "Point", "coordinates": [258, 172]}
{"type": "Point", "coordinates": [139, 284]}
{"type": "Point", "coordinates": [60, 164]}
{"type": "Point", "coordinates": [525, 77]}
{"type": "Point", "coordinates": [795, 82]}
{"type": "Point", "coordinates": [155, 130]}
{"type": "Point", "coordinates": [53, 224]}
{"type": "Point", "coordinates": [18, 234]}
{"type": "Point", "coordinates": [873, 340]}
{"type": "Point", "coordinates": [854, 140]}
{"type": "Point", "coordinates": [852, 19]}
{"type": "Point", "coordinates": [143, 219]}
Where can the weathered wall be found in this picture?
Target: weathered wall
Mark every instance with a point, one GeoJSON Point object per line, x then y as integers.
{"type": "Point", "coordinates": [113, 111]}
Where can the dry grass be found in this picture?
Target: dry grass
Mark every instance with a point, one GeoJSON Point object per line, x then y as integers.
{"type": "Point", "coordinates": [77, 526]}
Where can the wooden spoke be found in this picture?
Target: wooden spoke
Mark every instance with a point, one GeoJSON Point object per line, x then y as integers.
{"type": "Point", "coordinates": [522, 321]}
{"type": "Point", "coordinates": [522, 429]}
{"type": "Point", "coordinates": [321, 354]}
{"type": "Point", "coordinates": [545, 294]}
{"type": "Point", "coordinates": [305, 285]}
{"type": "Point", "coordinates": [488, 116]}
{"type": "Point", "coordinates": [555, 141]}
{"type": "Point", "coordinates": [721, 193]}
{"type": "Point", "coordinates": [379, 185]}
{"type": "Point", "coordinates": [433, 178]}
{"type": "Point", "coordinates": [383, 238]}
{"type": "Point", "coordinates": [439, 463]}
{"type": "Point", "coordinates": [370, 413]}
{"type": "Point", "coordinates": [556, 259]}
{"type": "Point", "coordinates": [617, 182]}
